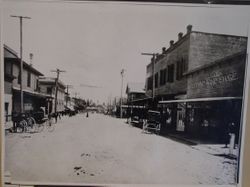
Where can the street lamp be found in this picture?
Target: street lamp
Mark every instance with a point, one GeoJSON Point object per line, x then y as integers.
{"type": "Point", "coordinates": [122, 75]}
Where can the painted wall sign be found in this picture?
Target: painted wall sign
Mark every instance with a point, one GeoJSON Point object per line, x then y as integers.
{"type": "Point", "coordinates": [215, 79]}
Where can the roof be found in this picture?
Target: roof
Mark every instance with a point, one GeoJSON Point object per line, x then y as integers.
{"type": "Point", "coordinates": [185, 37]}
{"type": "Point", "coordinates": [50, 80]}
{"type": "Point", "coordinates": [11, 51]}
{"type": "Point", "coordinates": [11, 56]}
{"type": "Point", "coordinates": [135, 87]}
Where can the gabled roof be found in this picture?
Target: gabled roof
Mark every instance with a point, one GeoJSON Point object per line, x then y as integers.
{"type": "Point", "coordinates": [50, 81]}
{"type": "Point", "coordinates": [11, 56]}
{"type": "Point", "coordinates": [135, 87]}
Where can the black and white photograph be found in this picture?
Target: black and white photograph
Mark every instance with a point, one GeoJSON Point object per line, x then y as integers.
{"type": "Point", "coordinates": [104, 92]}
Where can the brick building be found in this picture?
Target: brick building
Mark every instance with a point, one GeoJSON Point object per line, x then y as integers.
{"type": "Point", "coordinates": [200, 71]}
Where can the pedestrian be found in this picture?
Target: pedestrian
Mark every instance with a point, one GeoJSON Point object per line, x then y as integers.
{"type": "Point", "coordinates": [56, 116]}
{"type": "Point", "coordinates": [87, 115]}
{"type": "Point", "coordinates": [232, 132]}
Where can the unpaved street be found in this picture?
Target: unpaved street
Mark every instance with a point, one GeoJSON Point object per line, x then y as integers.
{"type": "Point", "coordinates": [103, 149]}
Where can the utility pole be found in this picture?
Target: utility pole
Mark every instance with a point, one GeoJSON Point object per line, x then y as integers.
{"type": "Point", "coordinates": [122, 75]}
{"type": "Point", "coordinates": [57, 71]}
{"type": "Point", "coordinates": [21, 57]}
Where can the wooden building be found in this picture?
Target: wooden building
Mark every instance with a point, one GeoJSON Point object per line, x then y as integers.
{"type": "Point", "coordinates": [48, 86]}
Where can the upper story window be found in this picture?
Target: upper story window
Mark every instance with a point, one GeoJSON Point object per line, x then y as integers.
{"type": "Point", "coordinates": [37, 85]}
{"type": "Point", "coordinates": [19, 78]}
{"type": "Point", "coordinates": [170, 73]}
{"type": "Point", "coordinates": [180, 69]}
{"type": "Point", "coordinates": [49, 90]}
{"type": "Point", "coordinates": [156, 80]}
{"type": "Point", "coordinates": [150, 83]}
{"type": "Point", "coordinates": [163, 74]}
{"type": "Point", "coordinates": [29, 79]}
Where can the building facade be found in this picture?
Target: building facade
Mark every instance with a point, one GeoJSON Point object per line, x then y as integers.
{"type": "Point", "coordinates": [32, 98]}
{"type": "Point", "coordinates": [200, 73]}
{"type": "Point", "coordinates": [48, 86]}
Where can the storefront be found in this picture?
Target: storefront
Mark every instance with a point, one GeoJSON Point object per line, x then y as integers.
{"type": "Point", "coordinates": [213, 103]}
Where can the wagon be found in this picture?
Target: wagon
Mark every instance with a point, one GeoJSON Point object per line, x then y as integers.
{"type": "Point", "coordinates": [152, 122]}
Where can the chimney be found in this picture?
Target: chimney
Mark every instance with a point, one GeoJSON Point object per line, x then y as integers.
{"type": "Point", "coordinates": [180, 35]}
{"type": "Point", "coordinates": [31, 58]}
{"type": "Point", "coordinates": [171, 43]}
{"type": "Point", "coordinates": [189, 28]}
{"type": "Point", "coordinates": [164, 50]}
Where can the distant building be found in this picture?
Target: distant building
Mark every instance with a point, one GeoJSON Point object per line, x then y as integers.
{"type": "Point", "coordinates": [135, 91]}
{"type": "Point", "coordinates": [48, 86]}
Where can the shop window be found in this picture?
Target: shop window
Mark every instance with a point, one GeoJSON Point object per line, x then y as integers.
{"type": "Point", "coordinates": [156, 80]}
{"type": "Point", "coordinates": [29, 79]}
{"type": "Point", "coordinates": [171, 73]}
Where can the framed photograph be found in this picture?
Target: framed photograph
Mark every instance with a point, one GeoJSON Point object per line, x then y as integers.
{"type": "Point", "coordinates": [124, 93]}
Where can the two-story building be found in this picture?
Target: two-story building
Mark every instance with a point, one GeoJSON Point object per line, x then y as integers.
{"type": "Point", "coordinates": [48, 86]}
{"type": "Point", "coordinates": [32, 99]}
{"type": "Point", "coordinates": [191, 70]}
{"type": "Point", "coordinates": [9, 55]}
{"type": "Point", "coordinates": [135, 96]}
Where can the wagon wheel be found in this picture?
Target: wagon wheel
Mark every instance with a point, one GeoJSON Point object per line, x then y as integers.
{"type": "Point", "coordinates": [20, 126]}
{"type": "Point", "coordinates": [31, 124]}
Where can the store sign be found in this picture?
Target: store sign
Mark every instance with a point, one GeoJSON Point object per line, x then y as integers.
{"type": "Point", "coordinates": [216, 78]}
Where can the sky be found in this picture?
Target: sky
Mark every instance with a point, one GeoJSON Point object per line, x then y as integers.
{"type": "Point", "coordinates": [93, 41]}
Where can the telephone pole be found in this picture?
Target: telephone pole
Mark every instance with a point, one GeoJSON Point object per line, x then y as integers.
{"type": "Point", "coordinates": [122, 75]}
{"type": "Point", "coordinates": [21, 57]}
{"type": "Point", "coordinates": [57, 71]}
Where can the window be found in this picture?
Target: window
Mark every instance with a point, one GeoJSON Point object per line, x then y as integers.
{"type": "Point", "coordinates": [49, 90]}
{"type": "Point", "coordinates": [29, 79]}
{"type": "Point", "coordinates": [37, 85]}
{"type": "Point", "coordinates": [180, 69]}
{"type": "Point", "coordinates": [19, 78]}
{"type": "Point", "coordinates": [171, 73]}
{"type": "Point", "coordinates": [150, 83]}
{"type": "Point", "coordinates": [156, 80]}
{"type": "Point", "coordinates": [163, 74]}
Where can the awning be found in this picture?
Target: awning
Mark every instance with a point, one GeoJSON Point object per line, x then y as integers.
{"type": "Point", "coordinates": [70, 108]}
{"type": "Point", "coordinates": [37, 94]}
{"type": "Point", "coordinates": [135, 106]}
{"type": "Point", "coordinates": [143, 99]}
{"type": "Point", "coordinates": [200, 99]}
